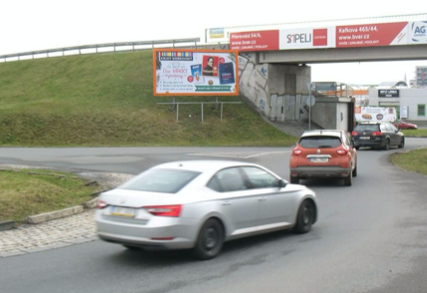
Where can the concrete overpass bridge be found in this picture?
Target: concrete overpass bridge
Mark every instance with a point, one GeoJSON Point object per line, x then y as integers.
{"type": "Point", "coordinates": [274, 60]}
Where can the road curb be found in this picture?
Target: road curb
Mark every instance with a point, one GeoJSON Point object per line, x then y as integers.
{"type": "Point", "coordinates": [6, 225]}
{"type": "Point", "coordinates": [40, 218]}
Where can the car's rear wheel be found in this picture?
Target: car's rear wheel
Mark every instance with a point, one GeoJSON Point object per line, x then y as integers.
{"type": "Point", "coordinates": [387, 144]}
{"type": "Point", "coordinates": [210, 240]}
{"type": "Point", "coordinates": [305, 217]}
{"type": "Point", "coordinates": [294, 180]}
{"type": "Point", "coordinates": [402, 144]}
{"type": "Point", "coordinates": [355, 170]}
{"type": "Point", "coordinates": [348, 181]}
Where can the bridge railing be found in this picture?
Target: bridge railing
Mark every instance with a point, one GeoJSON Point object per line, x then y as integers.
{"type": "Point", "coordinates": [101, 48]}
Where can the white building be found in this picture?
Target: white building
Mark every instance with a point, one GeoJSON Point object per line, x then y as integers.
{"type": "Point", "coordinates": [415, 99]}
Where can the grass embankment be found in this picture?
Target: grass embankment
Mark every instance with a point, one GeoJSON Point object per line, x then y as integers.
{"type": "Point", "coordinates": [106, 100]}
{"type": "Point", "coordinates": [415, 132]}
{"type": "Point", "coordinates": [415, 160]}
{"type": "Point", "coordinates": [29, 192]}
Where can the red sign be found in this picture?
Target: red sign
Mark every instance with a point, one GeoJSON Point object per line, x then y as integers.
{"type": "Point", "coordinates": [255, 41]}
{"type": "Point", "coordinates": [320, 37]}
{"type": "Point", "coordinates": [368, 35]}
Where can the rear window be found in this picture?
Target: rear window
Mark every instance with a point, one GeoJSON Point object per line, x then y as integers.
{"type": "Point", "coordinates": [320, 142]}
{"type": "Point", "coordinates": [161, 180]}
{"type": "Point", "coordinates": [366, 127]}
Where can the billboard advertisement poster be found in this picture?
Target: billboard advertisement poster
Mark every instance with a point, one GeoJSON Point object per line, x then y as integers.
{"type": "Point", "coordinates": [307, 38]}
{"type": "Point", "coordinates": [375, 114]}
{"type": "Point", "coordinates": [216, 35]}
{"type": "Point", "coordinates": [418, 32]}
{"type": "Point", "coordinates": [182, 72]}
{"type": "Point", "coordinates": [255, 41]}
{"type": "Point", "coordinates": [369, 35]}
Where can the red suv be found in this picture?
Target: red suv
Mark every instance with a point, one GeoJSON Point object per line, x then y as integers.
{"type": "Point", "coordinates": [324, 154]}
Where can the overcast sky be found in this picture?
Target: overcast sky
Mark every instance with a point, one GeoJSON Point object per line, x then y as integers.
{"type": "Point", "coordinates": [28, 25]}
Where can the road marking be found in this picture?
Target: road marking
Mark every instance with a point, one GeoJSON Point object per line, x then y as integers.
{"type": "Point", "coordinates": [238, 155]}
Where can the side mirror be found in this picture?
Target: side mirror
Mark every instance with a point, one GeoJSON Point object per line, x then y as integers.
{"type": "Point", "coordinates": [282, 183]}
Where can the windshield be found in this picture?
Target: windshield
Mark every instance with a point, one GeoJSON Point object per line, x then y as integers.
{"type": "Point", "coordinates": [320, 142]}
{"type": "Point", "coordinates": [366, 127]}
{"type": "Point", "coordinates": [161, 180]}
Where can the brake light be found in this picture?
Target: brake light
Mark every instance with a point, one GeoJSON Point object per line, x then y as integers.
{"type": "Point", "coordinates": [376, 133]}
{"type": "Point", "coordinates": [164, 211]}
{"type": "Point", "coordinates": [354, 133]}
{"type": "Point", "coordinates": [102, 204]}
{"type": "Point", "coordinates": [342, 152]}
{"type": "Point", "coordinates": [297, 152]}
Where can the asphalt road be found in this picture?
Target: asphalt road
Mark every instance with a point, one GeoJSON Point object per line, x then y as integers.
{"type": "Point", "coordinates": [371, 237]}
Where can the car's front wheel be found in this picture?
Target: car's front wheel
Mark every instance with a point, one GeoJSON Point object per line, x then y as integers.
{"type": "Point", "coordinates": [305, 217]}
{"type": "Point", "coordinates": [402, 144]}
{"type": "Point", "coordinates": [210, 240]}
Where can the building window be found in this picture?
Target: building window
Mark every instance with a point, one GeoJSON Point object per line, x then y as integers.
{"type": "Point", "coordinates": [421, 110]}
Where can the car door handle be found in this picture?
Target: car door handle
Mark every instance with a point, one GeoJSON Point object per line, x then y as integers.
{"type": "Point", "coordinates": [262, 199]}
{"type": "Point", "coordinates": [226, 203]}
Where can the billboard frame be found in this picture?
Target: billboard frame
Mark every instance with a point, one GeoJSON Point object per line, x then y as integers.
{"type": "Point", "coordinates": [198, 51]}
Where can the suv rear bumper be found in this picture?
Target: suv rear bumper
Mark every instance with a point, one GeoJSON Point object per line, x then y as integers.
{"type": "Point", "coordinates": [377, 142]}
{"type": "Point", "coordinates": [319, 172]}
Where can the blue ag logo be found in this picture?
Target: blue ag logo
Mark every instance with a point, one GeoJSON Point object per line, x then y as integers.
{"type": "Point", "coordinates": [419, 31]}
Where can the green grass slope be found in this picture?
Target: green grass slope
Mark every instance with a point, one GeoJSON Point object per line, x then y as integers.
{"type": "Point", "coordinates": [107, 100]}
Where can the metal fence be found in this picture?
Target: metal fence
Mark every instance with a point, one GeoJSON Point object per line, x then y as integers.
{"type": "Point", "coordinates": [101, 48]}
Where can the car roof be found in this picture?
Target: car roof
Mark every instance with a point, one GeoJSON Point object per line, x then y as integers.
{"type": "Point", "coordinates": [202, 165]}
{"type": "Point", "coordinates": [323, 132]}
{"type": "Point", "coordinates": [372, 122]}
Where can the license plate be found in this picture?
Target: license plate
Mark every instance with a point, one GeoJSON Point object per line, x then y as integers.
{"type": "Point", "coordinates": [123, 212]}
{"type": "Point", "coordinates": [319, 160]}
{"type": "Point", "coordinates": [365, 137]}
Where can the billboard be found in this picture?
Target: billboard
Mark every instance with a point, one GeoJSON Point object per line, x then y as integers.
{"type": "Point", "coordinates": [182, 72]}
{"type": "Point", "coordinates": [307, 38]}
{"type": "Point", "coordinates": [217, 35]}
{"type": "Point", "coordinates": [375, 113]}
{"type": "Point", "coordinates": [344, 36]}
{"type": "Point", "coordinates": [255, 41]}
{"type": "Point", "coordinates": [369, 35]}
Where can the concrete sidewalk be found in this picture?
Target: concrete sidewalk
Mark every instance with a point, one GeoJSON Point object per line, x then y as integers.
{"type": "Point", "coordinates": [67, 230]}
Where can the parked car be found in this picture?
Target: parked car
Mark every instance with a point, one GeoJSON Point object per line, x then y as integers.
{"type": "Point", "coordinates": [405, 125]}
{"type": "Point", "coordinates": [377, 135]}
{"type": "Point", "coordinates": [201, 204]}
{"type": "Point", "coordinates": [324, 154]}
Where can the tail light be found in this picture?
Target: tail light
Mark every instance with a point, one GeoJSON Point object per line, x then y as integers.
{"type": "Point", "coordinates": [342, 152]}
{"type": "Point", "coordinates": [354, 133]}
{"type": "Point", "coordinates": [164, 211]}
{"type": "Point", "coordinates": [297, 152]}
{"type": "Point", "coordinates": [102, 204]}
{"type": "Point", "coordinates": [376, 133]}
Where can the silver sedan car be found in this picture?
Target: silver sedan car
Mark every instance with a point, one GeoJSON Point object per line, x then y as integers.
{"type": "Point", "coordinates": [201, 204]}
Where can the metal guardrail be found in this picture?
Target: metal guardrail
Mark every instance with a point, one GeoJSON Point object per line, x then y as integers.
{"type": "Point", "coordinates": [114, 47]}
